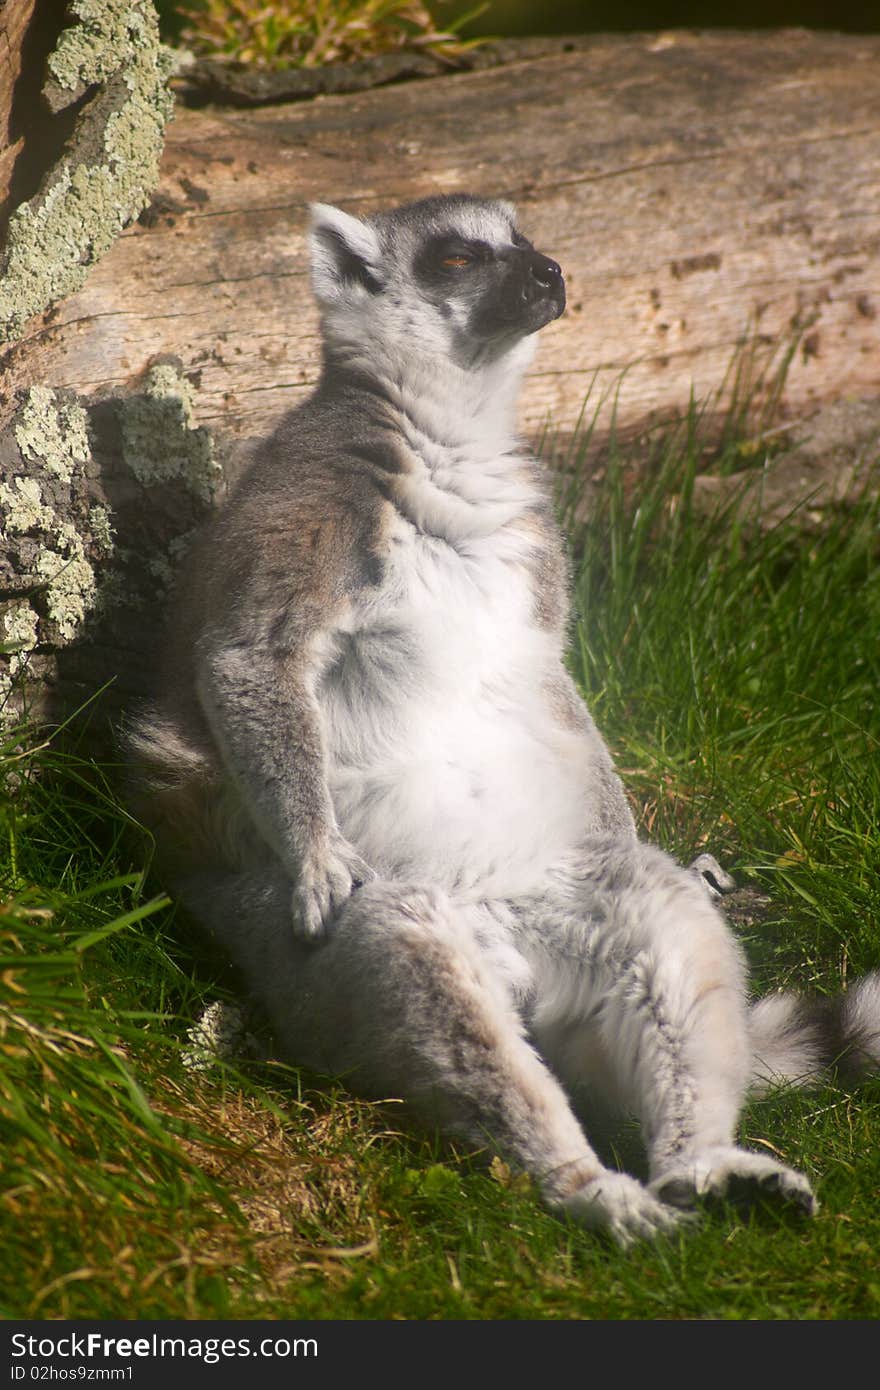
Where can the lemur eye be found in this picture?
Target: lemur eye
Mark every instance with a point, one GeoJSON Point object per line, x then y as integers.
{"type": "Point", "coordinates": [456, 262]}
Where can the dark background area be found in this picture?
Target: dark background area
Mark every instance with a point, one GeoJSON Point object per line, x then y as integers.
{"type": "Point", "coordinates": [502, 18]}
{"type": "Point", "coordinates": [509, 17]}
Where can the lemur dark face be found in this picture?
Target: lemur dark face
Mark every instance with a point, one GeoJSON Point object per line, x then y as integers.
{"type": "Point", "coordinates": [506, 290]}
{"type": "Point", "coordinates": [448, 278]}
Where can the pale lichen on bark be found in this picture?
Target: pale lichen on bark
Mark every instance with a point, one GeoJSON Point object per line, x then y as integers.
{"type": "Point", "coordinates": [56, 433]}
{"type": "Point", "coordinates": [55, 574]}
{"type": "Point", "coordinates": [22, 505]}
{"type": "Point", "coordinates": [18, 636]}
{"type": "Point", "coordinates": [111, 164]}
{"type": "Point", "coordinates": [89, 52]}
{"type": "Point", "coordinates": [160, 440]}
{"type": "Point", "coordinates": [80, 560]}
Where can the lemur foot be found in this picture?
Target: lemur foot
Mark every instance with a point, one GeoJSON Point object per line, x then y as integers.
{"type": "Point", "coordinates": [727, 1173]}
{"type": "Point", "coordinates": [716, 882]}
{"type": "Point", "coordinates": [618, 1205]}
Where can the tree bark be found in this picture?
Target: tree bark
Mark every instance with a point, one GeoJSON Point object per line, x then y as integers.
{"type": "Point", "coordinates": [699, 190]}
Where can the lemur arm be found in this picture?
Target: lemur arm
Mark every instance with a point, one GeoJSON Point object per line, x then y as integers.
{"type": "Point", "coordinates": [258, 665]}
{"type": "Point", "coordinates": [248, 695]}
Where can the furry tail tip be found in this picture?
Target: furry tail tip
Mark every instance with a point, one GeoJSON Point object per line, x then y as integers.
{"type": "Point", "coordinates": [800, 1041]}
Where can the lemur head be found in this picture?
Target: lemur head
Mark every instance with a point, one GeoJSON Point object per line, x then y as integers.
{"type": "Point", "coordinates": [448, 277]}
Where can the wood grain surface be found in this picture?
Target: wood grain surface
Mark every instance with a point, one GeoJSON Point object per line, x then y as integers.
{"type": "Point", "coordinates": [697, 188]}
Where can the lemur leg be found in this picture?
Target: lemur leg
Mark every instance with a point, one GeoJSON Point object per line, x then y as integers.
{"type": "Point", "coordinates": [636, 970]}
{"type": "Point", "coordinates": [401, 1001]}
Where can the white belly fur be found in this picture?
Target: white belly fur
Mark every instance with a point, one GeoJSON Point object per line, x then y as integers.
{"type": "Point", "coordinates": [482, 807]}
{"type": "Point", "coordinates": [445, 764]}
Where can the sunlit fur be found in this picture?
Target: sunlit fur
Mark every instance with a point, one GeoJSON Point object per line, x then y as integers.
{"type": "Point", "coordinates": [373, 781]}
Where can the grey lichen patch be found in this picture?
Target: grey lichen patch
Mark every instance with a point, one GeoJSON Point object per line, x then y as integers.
{"type": "Point", "coordinates": [22, 507]}
{"type": "Point", "coordinates": [111, 165]}
{"type": "Point", "coordinates": [69, 580]}
{"type": "Point", "coordinates": [19, 625]}
{"type": "Point", "coordinates": [220, 1035]}
{"type": "Point", "coordinates": [165, 567]}
{"type": "Point", "coordinates": [88, 52]}
{"type": "Point", "coordinates": [97, 501]}
{"type": "Point", "coordinates": [162, 569]}
{"type": "Point", "coordinates": [51, 431]}
{"type": "Point", "coordinates": [19, 631]}
{"type": "Point", "coordinates": [56, 432]}
{"type": "Point", "coordinates": [103, 530]}
{"type": "Point", "coordinates": [160, 441]}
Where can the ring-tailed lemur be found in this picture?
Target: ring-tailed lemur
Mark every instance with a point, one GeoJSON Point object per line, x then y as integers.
{"type": "Point", "coordinates": [371, 777]}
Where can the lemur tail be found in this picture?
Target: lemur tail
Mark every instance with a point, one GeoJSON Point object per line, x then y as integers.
{"type": "Point", "coordinates": [797, 1040]}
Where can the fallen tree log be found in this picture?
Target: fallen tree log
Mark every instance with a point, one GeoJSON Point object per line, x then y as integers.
{"type": "Point", "coordinates": [694, 187]}
{"type": "Point", "coordinates": [699, 190]}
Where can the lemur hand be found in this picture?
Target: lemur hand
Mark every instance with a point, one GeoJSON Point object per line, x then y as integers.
{"type": "Point", "coordinates": [325, 881]}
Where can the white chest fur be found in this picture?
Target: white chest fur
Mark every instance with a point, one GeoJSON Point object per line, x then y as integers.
{"type": "Point", "coordinates": [445, 762]}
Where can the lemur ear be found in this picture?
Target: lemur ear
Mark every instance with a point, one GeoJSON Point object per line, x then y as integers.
{"type": "Point", "coordinates": [344, 252]}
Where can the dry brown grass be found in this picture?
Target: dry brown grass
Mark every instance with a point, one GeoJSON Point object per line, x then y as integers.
{"type": "Point", "coordinates": [294, 1176]}
{"type": "Point", "coordinates": [310, 33]}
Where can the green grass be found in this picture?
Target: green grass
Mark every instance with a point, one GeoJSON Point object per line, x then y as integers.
{"type": "Point", "coordinates": [735, 673]}
{"type": "Point", "coordinates": [311, 33]}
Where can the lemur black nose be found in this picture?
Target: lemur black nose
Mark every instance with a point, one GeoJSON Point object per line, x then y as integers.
{"type": "Point", "coordinates": [546, 272]}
